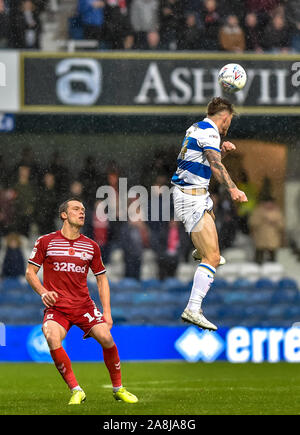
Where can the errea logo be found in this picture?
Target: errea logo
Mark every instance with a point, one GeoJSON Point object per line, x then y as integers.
{"type": "Point", "coordinates": [2, 74]}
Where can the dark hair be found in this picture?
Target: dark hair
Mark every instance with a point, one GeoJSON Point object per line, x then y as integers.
{"type": "Point", "coordinates": [64, 206]}
{"type": "Point", "coordinates": [218, 104]}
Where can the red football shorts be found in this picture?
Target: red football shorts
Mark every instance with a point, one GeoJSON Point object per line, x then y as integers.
{"type": "Point", "coordinates": [85, 317]}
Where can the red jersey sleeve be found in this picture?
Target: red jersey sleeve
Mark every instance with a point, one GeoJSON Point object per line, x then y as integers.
{"type": "Point", "coordinates": [96, 264]}
{"type": "Point", "coordinates": [38, 253]}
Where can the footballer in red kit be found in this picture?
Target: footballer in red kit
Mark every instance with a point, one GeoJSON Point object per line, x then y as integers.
{"type": "Point", "coordinates": [66, 257]}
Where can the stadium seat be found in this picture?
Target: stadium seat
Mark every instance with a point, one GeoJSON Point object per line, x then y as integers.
{"type": "Point", "coordinates": [265, 283]}
{"type": "Point", "coordinates": [285, 295]}
{"type": "Point", "coordinates": [236, 297]}
{"type": "Point", "coordinates": [151, 284]}
{"type": "Point", "coordinates": [11, 284]}
{"type": "Point", "coordinates": [235, 255]}
{"type": "Point", "coordinates": [261, 296]}
{"type": "Point", "coordinates": [229, 272]}
{"type": "Point", "coordinates": [250, 271]}
{"type": "Point", "coordinates": [130, 284]}
{"type": "Point", "coordinates": [287, 283]}
{"type": "Point", "coordinates": [219, 283]}
{"type": "Point", "coordinates": [241, 283]}
{"type": "Point", "coordinates": [274, 271]}
{"type": "Point", "coordinates": [145, 298]}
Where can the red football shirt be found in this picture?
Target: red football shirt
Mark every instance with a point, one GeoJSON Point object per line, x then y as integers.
{"type": "Point", "coordinates": [65, 266]}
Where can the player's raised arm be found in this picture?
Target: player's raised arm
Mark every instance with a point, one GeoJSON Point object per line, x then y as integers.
{"type": "Point", "coordinates": [48, 297]}
{"type": "Point", "coordinates": [222, 176]}
{"type": "Point", "coordinates": [104, 294]}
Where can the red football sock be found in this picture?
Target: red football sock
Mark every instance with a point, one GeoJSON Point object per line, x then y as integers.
{"type": "Point", "coordinates": [63, 365]}
{"type": "Point", "coordinates": [113, 364]}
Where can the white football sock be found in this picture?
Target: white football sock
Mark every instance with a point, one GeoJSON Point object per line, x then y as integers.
{"type": "Point", "coordinates": [78, 388]}
{"type": "Point", "coordinates": [203, 279]}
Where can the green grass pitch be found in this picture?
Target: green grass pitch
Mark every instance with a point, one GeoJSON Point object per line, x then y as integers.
{"type": "Point", "coordinates": [163, 388]}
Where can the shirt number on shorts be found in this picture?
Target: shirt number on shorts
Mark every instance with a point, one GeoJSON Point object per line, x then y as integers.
{"type": "Point", "coordinates": [90, 318]}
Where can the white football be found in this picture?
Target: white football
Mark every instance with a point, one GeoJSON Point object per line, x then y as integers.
{"type": "Point", "coordinates": [232, 78]}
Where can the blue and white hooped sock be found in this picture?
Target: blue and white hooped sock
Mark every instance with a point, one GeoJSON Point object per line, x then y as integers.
{"type": "Point", "coordinates": [203, 279]}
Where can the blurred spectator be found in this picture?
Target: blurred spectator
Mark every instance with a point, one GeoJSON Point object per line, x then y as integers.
{"type": "Point", "coordinates": [7, 210]}
{"type": "Point", "coordinates": [61, 174]}
{"type": "Point", "coordinates": [25, 26]}
{"type": "Point", "coordinates": [91, 180]}
{"type": "Point", "coordinates": [261, 5]}
{"type": "Point", "coordinates": [13, 263]}
{"type": "Point", "coordinates": [252, 32]}
{"type": "Point", "coordinates": [212, 23]}
{"type": "Point", "coordinates": [4, 24]}
{"type": "Point", "coordinates": [169, 250]}
{"type": "Point", "coordinates": [117, 30]}
{"type": "Point", "coordinates": [192, 36]}
{"type": "Point", "coordinates": [171, 19]}
{"type": "Point", "coordinates": [91, 13]}
{"type": "Point", "coordinates": [28, 158]}
{"type": "Point", "coordinates": [24, 202]}
{"type": "Point", "coordinates": [293, 18]}
{"type": "Point", "coordinates": [47, 204]}
{"type": "Point", "coordinates": [231, 36]}
{"type": "Point", "coordinates": [76, 190]}
{"type": "Point", "coordinates": [101, 231]}
{"type": "Point", "coordinates": [144, 19]}
{"type": "Point", "coordinates": [277, 34]}
{"type": "Point", "coordinates": [266, 224]}
{"type": "Point", "coordinates": [245, 209]}
{"type": "Point", "coordinates": [226, 218]}
{"type": "Point", "coordinates": [134, 237]}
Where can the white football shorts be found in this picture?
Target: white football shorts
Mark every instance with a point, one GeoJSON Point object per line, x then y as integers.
{"type": "Point", "coordinates": [189, 209]}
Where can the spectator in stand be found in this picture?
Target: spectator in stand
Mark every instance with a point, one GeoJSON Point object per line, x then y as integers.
{"type": "Point", "coordinates": [171, 19]}
{"type": "Point", "coordinates": [212, 23]}
{"type": "Point", "coordinates": [192, 36]}
{"type": "Point", "coordinates": [169, 250]}
{"type": "Point", "coordinates": [24, 202]}
{"type": "Point", "coordinates": [267, 225]}
{"type": "Point", "coordinates": [118, 34]}
{"type": "Point", "coordinates": [4, 25]}
{"type": "Point", "coordinates": [13, 263]}
{"type": "Point", "coordinates": [293, 18]}
{"type": "Point", "coordinates": [245, 209]}
{"type": "Point", "coordinates": [76, 190]}
{"type": "Point", "coordinates": [231, 36]}
{"type": "Point", "coordinates": [144, 20]}
{"type": "Point", "coordinates": [134, 238]}
{"type": "Point", "coordinates": [25, 26]}
{"type": "Point", "coordinates": [61, 174]}
{"type": "Point", "coordinates": [253, 33]}
{"type": "Point", "coordinates": [101, 233]}
{"type": "Point", "coordinates": [91, 13]}
{"type": "Point", "coordinates": [7, 210]}
{"type": "Point", "coordinates": [46, 205]}
{"type": "Point", "coordinates": [276, 36]}
{"type": "Point", "coordinates": [91, 180]}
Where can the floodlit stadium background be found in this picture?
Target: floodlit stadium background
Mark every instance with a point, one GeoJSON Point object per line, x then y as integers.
{"type": "Point", "coordinates": [72, 121]}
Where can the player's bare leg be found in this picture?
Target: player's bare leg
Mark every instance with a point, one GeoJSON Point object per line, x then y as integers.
{"type": "Point", "coordinates": [55, 334]}
{"type": "Point", "coordinates": [205, 239]}
{"type": "Point", "coordinates": [197, 255]}
{"type": "Point", "coordinates": [101, 333]}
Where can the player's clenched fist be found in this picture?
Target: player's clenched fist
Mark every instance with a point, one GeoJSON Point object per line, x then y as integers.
{"type": "Point", "coordinates": [238, 195]}
{"type": "Point", "coordinates": [49, 298]}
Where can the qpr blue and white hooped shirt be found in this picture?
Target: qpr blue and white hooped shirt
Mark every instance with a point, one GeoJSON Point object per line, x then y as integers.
{"type": "Point", "coordinates": [193, 169]}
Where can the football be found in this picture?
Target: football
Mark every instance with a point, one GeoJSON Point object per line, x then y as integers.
{"type": "Point", "coordinates": [232, 78]}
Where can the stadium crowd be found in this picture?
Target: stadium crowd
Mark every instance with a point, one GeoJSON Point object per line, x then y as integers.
{"type": "Point", "coordinates": [235, 26]}
{"type": "Point", "coordinates": [30, 195]}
